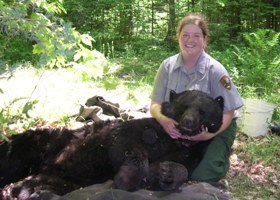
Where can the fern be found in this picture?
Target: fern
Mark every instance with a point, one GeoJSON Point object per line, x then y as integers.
{"type": "Point", "coordinates": [258, 62]}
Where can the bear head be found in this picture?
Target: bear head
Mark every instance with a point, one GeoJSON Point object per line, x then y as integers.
{"type": "Point", "coordinates": [194, 109]}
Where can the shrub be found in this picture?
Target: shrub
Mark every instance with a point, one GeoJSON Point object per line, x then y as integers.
{"type": "Point", "coordinates": [255, 65]}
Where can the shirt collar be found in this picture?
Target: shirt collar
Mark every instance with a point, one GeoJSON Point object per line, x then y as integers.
{"type": "Point", "coordinates": [200, 65]}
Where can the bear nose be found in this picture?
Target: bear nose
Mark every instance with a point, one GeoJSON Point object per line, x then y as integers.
{"type": "Point", "coordinates": [188, 122]}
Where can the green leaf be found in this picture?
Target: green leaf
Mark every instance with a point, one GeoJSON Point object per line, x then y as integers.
{"type": "Point", "coordinates": [17, 99]}
{"type": "Point", "coordinates": [29, 106]}
{"type": "Point", "coordinates": [78, 55]}
{"type": "Point", "coordinates": [87, 39]}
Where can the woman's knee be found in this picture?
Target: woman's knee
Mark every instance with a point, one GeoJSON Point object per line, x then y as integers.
{"type": "Point", "coordinates": [211, 171]}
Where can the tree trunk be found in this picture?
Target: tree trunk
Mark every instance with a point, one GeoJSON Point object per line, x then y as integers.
{"type": "Point", "coordinates": [126, 23]}
{"type": "Point", "coordinates": [171, 32]}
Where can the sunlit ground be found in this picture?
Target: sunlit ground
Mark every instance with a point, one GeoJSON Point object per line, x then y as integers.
{"type": "Point", "coordinates": [60, 92]}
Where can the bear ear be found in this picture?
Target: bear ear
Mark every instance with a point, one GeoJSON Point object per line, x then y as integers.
{"type": "Point", "coordinates": [220, 101]}
{"type": "Point", "coordinates": [172, 95]}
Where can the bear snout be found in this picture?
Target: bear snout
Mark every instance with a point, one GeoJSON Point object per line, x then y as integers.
{"type": "Point", "coordinates": [189, 123]}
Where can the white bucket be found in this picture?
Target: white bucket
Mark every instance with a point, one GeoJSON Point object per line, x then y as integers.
{"type": "Point", "coordinates": [255, 117]}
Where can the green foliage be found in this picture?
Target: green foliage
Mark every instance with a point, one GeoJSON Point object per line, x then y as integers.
{"type": "Point", "coordinates": [57, 44]}
{"type": "Point", "coordinates": [121, 20]}
{"type": "Point", "coordinates": [219, 36]}
{"type": "Point", "coordinates": [27, 107]}
{"type": "Point", "coordinates": [258, 62]}
{"type": "Point", "coordinates": [18, 118]}
{"type": "Point", "coordinates": [140, 60]}
{"type": "Point", "coordinates": [254, 64]}
{"type": "Point", "coordinates": [16, 49]}
{"type": "Point", "coordinates": [276, 115]}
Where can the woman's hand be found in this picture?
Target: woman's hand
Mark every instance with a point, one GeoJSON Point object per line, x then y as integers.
{"type": "Point", "coordinates": [169, 125]}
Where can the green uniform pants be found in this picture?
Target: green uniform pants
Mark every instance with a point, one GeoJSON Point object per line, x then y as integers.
{"type": "Point", "coordinates": [215, 163]}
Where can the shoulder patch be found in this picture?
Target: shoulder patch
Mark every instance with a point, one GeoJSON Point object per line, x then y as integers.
{"type": "Point", "coordinates": [225, 81]}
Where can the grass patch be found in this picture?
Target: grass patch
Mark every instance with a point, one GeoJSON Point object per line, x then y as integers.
{"type": "Point", "coordinates": [254, 171]}
{"type": "Point", "coordinates": [243, 188]}
{"type": "Point", "coordinates": [266, 150]}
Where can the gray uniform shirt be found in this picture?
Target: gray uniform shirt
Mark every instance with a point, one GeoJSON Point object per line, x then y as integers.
{"type": "Point", "coordinates": [207, 75]}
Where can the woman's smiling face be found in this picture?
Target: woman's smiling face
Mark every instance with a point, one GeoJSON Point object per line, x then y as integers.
{"type": "Point", "coordinates": [191, 40]}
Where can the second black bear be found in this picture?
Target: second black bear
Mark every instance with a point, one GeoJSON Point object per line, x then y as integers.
{"type": "Point", "coordinates": [136, 153]}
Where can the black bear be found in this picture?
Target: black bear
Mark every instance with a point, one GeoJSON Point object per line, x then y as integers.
{"type": "Point", "coordinates": [135, 153]}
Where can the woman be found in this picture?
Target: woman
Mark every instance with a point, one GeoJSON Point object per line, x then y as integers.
{"type": "Point", "coordinates": [194, 69]}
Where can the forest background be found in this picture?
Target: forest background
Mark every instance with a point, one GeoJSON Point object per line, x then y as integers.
{"type": "Point", "coordinates": [118, 46]}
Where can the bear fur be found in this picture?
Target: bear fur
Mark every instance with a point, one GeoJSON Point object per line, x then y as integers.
{"type": "Point", "coordinates": [136, 153]}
